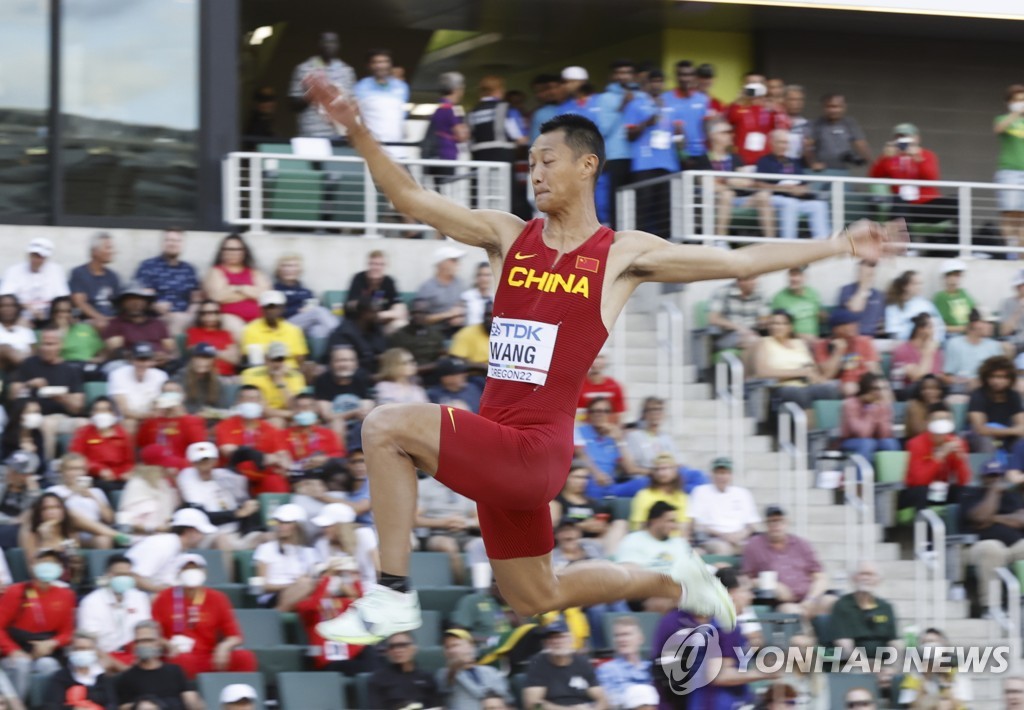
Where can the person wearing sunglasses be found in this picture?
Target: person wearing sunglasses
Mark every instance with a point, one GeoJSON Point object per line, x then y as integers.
{"type": "Point", "coordinates": [398, 683]}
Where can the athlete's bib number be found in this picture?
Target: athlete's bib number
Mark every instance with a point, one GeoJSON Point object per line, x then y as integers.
{"type": "Point", "coordinates": [520, 350]}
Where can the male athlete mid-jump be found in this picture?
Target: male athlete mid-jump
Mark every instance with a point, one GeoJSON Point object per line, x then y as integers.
{"type": "Point", "coordinates": [563, 281]}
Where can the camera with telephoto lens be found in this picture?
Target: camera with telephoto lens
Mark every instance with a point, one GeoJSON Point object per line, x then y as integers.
{"type": "Point", "coordinates": [903, 144]}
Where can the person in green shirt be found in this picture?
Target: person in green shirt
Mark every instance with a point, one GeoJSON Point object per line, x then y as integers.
{"type": "Point", "coordinates": [81, 342]}
{"type": "Point", "coordinates": [862, 619]}
{"type": "Point", "coordinates": [953, 303]}
{"type": "Point", "coordinates": [802, 302]}
{"type": "Point", "coordinates": [1010, 170]}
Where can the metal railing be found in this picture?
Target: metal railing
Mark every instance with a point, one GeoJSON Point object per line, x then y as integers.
{"type": "Point", "coordinates": [671, 357]}
{"type": "Point", "coordinates": [262, 190]}
{"type": "Point", "coordinates": [793, 479]}
{"type": "Point", "coordinates": [929, 568]}
{"type": "Point", "coordinates": [1006, 613]}
{"type": "Point", "coordinates": [691, 217]}
{"type": "Point", "coordinates": [729, 413]}
{"type": "Point", "coordinates": [861, 528]}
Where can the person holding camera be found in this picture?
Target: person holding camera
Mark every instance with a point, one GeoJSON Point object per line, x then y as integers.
{"type": "Point", "coordinates": [836, 141]}
{"type": "Point", "coordinates": [905, 159]}
{"type": "Point", "coordinates": [753, 118]}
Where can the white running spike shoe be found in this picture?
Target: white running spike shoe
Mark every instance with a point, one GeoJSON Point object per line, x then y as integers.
{"type": "Point", "coordinates": [704, 594]}
{"type": "Point", "coordinates": [380, 613]}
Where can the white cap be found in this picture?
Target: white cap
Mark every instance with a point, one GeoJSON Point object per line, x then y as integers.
{"type": "Point", "coordinates": [192, 518]}
{"type": "Point", "coordinates": [201, 450]}
{"type": "Point", "coordinates": [951, 265]}
{"type": "Point", "coordinates": [272, 298]}
{"type": "Point", "coordinates": [289, 513]}
{"type": "Point", "coordinates": [166, 400]}
{"type": "Point", "coordinates": [237, 692]}
{"type": "Point", "coordinates": [575, 74]}
{"type": "Point", "coordinates": [41, 246]}
{"type": "Point", "coordinates": [334, 513]}
{"type": "Point", "coordinates": [1018, 278]}
{"type": "Point", "coordinates": [638, 696]}
{"type": "Point", "coordinates": [190, 558]}
{"type": "Point", "coordinates": [446, 252]}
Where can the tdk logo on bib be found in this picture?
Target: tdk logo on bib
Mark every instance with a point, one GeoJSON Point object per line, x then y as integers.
{"type": "Point", "coordinates": [520, 350]}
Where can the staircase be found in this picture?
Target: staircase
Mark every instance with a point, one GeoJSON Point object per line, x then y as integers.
{"type": "Point", "coordinates": [696, 438]}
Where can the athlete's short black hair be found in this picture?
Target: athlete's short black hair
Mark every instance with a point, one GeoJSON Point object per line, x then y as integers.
{"type": "Point", "coordinates": [581, 135]}
{"type": "Point", "coordinates": [620, 63]}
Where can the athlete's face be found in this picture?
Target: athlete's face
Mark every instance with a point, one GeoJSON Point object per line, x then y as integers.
{"type": "Point", "coordinates": [559, 177]}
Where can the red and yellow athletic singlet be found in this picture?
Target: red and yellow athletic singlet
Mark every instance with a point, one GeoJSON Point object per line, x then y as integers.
{"type": "Point", "coordinates": [514, 457]}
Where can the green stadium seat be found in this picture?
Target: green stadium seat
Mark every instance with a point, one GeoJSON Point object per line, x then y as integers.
{"type": "Point", "coordinates": [827, 414]}
{"type": "Point", "coordinates": [280, 659]}
{"type": "Point", "coordinates": [236, 593]}
{"type": "Point", "coordinates": [442, 599]}
{"type": "Point", "coordinates": [959, 415]}
{"type": "Point", "coordinates": [429, 632]}
{"type": "Point", "coordinates": [430, 659]}
{"type": "Point", "coordinates": [891, 466]}
{"type": "Point", "coordinates": [360, 694]}
{"type": "Point", "coordinates": [94, 390]}
{"type": "Point", "coordinates": [294, 631]}
{"type": "Point", "coordinates": [16, 564]}
{"type": "Point", "coordinates": [293, 188]}
{"type": "Point", "coordinates": [260, 627]}
{"type": "Point", "coordinates": [244, 568]}
{"type": "Point", "coordinates": [977, 461]}
{"type": "Point", "coordinates": [314, 691]}
{"type": "Point", "coordinates": [210, 685]}
{"type": "Point", "coordinates": [620, 507]}
{"type": "Point", "coordinates": [335, 301]}
{"type": "Point", "coordinates": [317, 348]}
{"type": "Point", "coordinates": [730, 560]}
{"type": "Point", "coordinates": [38, 686]}
{"type": "Point", "coordinates": [430, 569]}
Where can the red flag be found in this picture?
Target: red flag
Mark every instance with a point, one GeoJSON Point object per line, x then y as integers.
{"type": "Point", "coordinates": [586, 263]}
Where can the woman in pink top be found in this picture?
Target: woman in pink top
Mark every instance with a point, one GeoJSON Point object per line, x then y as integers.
{"type": "Point", "coordinates": [918, 356]}
{"type": "Point", "coordinates": [236, 284]}
{"type": "Point", "coordinates": [867, 418]}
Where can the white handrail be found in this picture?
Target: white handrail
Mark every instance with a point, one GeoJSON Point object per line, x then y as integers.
{"type": "Point", "coordinates": [860, 505]}
{"type": "Point", "coordinates": [929, 565]}
{"type": "Point", "coordinates": [1007, 622]}
{"type": "Point", "coordinates": [792, 478]}
{"type": "Point", "coordinates": [672, 358]}
{"type": "Point", "coordinates": [729, 379]}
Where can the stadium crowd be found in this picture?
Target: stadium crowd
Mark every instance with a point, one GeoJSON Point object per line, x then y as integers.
{"type": "Point", "coordinates": [182, 447]}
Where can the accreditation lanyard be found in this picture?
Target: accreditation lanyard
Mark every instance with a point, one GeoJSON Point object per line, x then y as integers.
{"type": "Point", "coordinates": [185, 616]}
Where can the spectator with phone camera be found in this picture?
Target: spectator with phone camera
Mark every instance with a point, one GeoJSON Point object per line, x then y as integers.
{"type": "Point", "coordinates": [753, 118]}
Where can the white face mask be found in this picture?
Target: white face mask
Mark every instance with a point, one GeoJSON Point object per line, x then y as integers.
{"type": "Point", "coordinates": [192, 578]}
{"type": "Point", "coordinates": [103, 420]}
{"type": "Point", "coordinates": [941, 427]}
{"type": "Point", "coordinates": [250, 410]}
{"type": "Point", "coordinates": [1017, 107]}
{"type": "Point", "coordinates": [32, 420]}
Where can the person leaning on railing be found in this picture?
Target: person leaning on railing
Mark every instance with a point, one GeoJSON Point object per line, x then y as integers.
{"type": "Point", "coordinates": [1010, 168]}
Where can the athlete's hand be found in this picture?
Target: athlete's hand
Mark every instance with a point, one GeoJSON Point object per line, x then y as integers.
{"type": "Point", "coordinates": [339, 106]}
{"type": "Point", "coordinates": [872, 241]}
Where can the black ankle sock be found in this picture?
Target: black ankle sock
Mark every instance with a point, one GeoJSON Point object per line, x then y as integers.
{"type": "Point", "coordinates": [394, 581]}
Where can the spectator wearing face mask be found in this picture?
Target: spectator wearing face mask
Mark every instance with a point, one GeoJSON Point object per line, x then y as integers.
{"type": "Point", "coordinates": [110, 613]}
{"type": "Point", "coordinates": [938, 460]}
{"type": "Point", "coordinates": [246, 427]}
{"type": "Point", "coordinates": [105, 445]}
{"type": "Point", "coordinates": [82, 683]}
{"type": "Point", "coordinates": [152, 678]}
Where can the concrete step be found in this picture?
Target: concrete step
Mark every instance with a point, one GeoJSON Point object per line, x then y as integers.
{"type": "Point", "coordinates": [693, 446]}
{"type": "Point", "coordinates": [691, 425]}
{"type": "Point", "coordinates": [832, 550]}
{"type": "Point", "coordinates": [906, 610]}
{"type": "Point", "coordinates": [815, 498]}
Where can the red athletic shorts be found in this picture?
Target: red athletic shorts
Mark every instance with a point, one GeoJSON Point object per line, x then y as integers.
{"type": "Point", "coordinates": [512, 463]}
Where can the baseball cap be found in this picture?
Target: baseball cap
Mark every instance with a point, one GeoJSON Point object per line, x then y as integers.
{"type": "Point", "coordinates": [192, 518]}
{"type": "Point", "coordinates": [143, 351]}
{"type": "Point", "coordinates": [23, 462]}
{"type": "Point", "coordinates": [272, 298]}
{"type": "Point", "coordinates": [189, 558]}
{"type": "Point", "coordinates": [951, 266]}
{"type": "Point", "coordinates": [993, 467]}
{"type": "Point", "coordinates": [136, 289]}
{"type": "Point", "coordinates": [555, 627]}
{"type": "Point", "coordinates": [638, 696]}
{"type": "Point", "coordinates": [774, 511]}
{"type": "Point", "coordinates": [446, 252]}
{"type": "Point", "coordinates": [575, 74]}
{"type": "Point", "coordinates": [842, 316]}
{"type": "Point", "coordinates": [905, 129]}
{"type": "Point", "coordinates": [277, 350]}
{"type": "Point", "coordinates": [289, 513]}
{"type": "Point", "coordinates": [722, 462]}
{"type": "Point", "coordinates": [204, 350]}
{"type": "Point", "coordinates": [334, 513]}
{"type": "Point", "coordinates": [459, 634]}
{"type": "Point", "coordinates": [41, 246]}
{"type": "Point", "coordinates": [201, 450]}
{"type": "Point", "coordinates": [237, 692]}
{"type": "Point", "coordinates": [450, 366]}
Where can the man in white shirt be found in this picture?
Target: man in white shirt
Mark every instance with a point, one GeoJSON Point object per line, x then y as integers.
{"type": "Point", "coordinates": [220, 493]}
{"type": "Point", "coordinates": [655, 548]}
{"type": "Point", "coordinates": [725, 513]}
{"type": "Point", "coordinates": [155, 558]}
{"type": "Point", "coordinates": [136, 386]}
{"type": "Point", "coordinates": [311, 121]}
{"type": "Point", "coordinates": [16, 341]}
{"type": "Point", "coordinates": [382, 99]}
{"type": "Point", "coordinates": [111, 612]}
{"type": "Point", "coordinates": [37, 280]}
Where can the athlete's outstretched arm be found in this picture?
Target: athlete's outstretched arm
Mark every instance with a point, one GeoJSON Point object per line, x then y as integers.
{"type": "Point", "coordinates": [658, 260]}
{"type": "Point", "coordinates": [482, 228]}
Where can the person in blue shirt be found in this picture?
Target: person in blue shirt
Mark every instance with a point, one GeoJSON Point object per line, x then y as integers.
{"type": "Point", "coordinates": [793, 198]}
{"type": "Point", "coordinates": [861, 297]}
{"type": "Point", "coordinates": [654, 136]}
{"type": "Point", "coordinates": [548, 90]}
{"type": "Point", "coordinates": [690, 109]}
{"type": "Point", "coordinates": [611, 121]}
{"type": "Point", "coordinates": [174, 282]}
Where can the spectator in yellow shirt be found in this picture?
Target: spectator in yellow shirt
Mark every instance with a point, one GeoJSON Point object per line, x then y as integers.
{"type": "Point", "coordinates": [471, 343]}
{"type": "Point", "coordinates": [666, 487]}
{"type": "Point", "coordinates": [278, 382]}
{"type": "Point", "coordinates": [273, 328]}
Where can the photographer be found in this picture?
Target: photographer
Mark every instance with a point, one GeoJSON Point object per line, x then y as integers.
{"type": "Point", "coordinates": [835, 141]}
{"type": "Point", "coordinates": [753, 118]}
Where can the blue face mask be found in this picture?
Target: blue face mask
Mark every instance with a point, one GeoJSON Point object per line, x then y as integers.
{"type": "Point", "coordinates": [122, 583]}
{"type": "Point", "coordinates": [83, 658]}
{"type": "Point", "coordinates": [47, 571]}
{"type": "Point", "coordinates": [305, 418]}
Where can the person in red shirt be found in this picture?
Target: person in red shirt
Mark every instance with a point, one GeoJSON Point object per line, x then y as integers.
{"type": "Point", "coordinates": [208, 330]}
{"type": "Point", "coordinates": [324, 599]}
{"type": "Point", "coordinates": [600, 386]}
{"type": "Point", "coordinates": [105, 445]}
{"type": "Point", "coordinates": [309, 444]}
{"type": "Point", "coordinates": [246, 429]}
{"type": "Point", "coordinates": [847, 355]}
{"type": "Point", "coordinates": [37, 619]}
{"type": "Point", "coordinates": [200, 625]}
{"type": "Point", "coordinates": [752, 119]}
{"type": "Point", "coordinates": [938, 463]}
{"type": "Point", "coordinates": [171, 428]}
{"type": "Point", "coordinates": [905, 159]}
